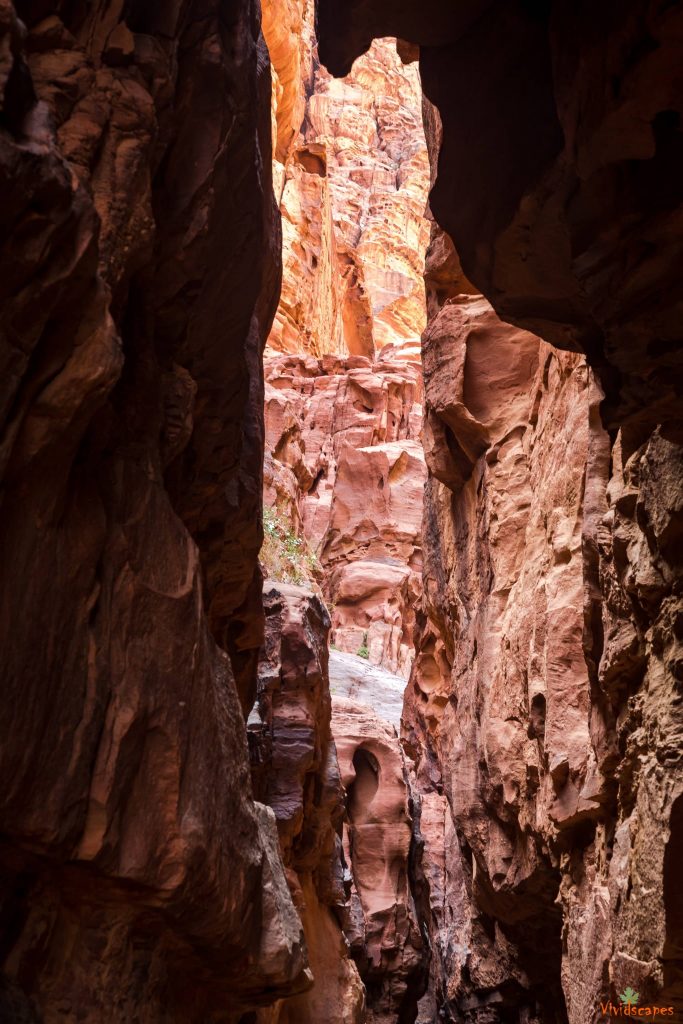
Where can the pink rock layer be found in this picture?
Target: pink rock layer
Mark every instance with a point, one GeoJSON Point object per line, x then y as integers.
{"type": "Point", "coordinates": [345, 466]}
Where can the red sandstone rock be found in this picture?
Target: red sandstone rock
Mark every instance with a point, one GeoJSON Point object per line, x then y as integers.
{"type": "Point", "coordinates": [294, 764]}
{"type": "Point", "coordinates": [537, 588]}
{"type": "Point", "coordinates": [564, 569]}
{"type": "Point", "coordinates": [345, 468]}
{"type": "Point", "coordinates": [142, 880]}
{"type": "Point", "coordinates": [352, 189]}
{"type": "Point", "coordinates": [382, 927]}
{"type": "Point", "coordinates": [571, 161]}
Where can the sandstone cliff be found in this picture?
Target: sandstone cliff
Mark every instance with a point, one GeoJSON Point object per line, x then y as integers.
{"type": "Point", "coordinates": [352, 186]}
{"type": "Point", "coordinates": [139, 879]}
{"type": "Point", "coordinates": [159, 861]}
{"type": "Point", "coordinates": [344, 465]}
{"type": "Point", "coordinates": [543, 709]}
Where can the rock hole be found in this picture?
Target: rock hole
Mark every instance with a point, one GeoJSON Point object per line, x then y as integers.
{"type": "Point", "coordinates": [537, 710]}
{"type": "Point", "coordinates": [362, 790]}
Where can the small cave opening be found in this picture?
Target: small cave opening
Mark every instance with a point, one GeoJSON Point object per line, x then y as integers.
{"type": "Point", "coordinates": [537, 713]}
{"type": "Point", "coordinates": [362, 791]}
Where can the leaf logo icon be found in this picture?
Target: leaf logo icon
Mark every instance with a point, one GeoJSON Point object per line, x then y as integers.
{"type": "Point", "coordinates": [629, 997]}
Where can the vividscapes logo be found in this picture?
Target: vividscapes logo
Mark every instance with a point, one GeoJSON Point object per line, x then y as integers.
{"type": "Point", "coordinates": [628, 1007]}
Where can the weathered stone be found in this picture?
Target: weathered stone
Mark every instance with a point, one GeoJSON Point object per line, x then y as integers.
{"type": "Point", "coordinates": [137, 870]}
{"type": "Point", "coordinates": [294, 766]}
{"type": "Point", "coordinates": [353, 194]}
{"type": "Point", "coordinates": [381, 923]}
{"type": "Point", "coordinates": [345, 468]}
{"type": "Point", "coordinates": [559, 164]}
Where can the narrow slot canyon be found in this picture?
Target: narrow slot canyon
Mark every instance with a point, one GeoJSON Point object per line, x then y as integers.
{"type": "Point", "coordinates": [341, 512]}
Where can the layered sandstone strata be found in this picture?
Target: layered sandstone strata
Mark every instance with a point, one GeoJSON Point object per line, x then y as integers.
{"type": "Point", "coordinates": [352, 188]}
{"type": "Point", "coordinates": [140, 878]}
{"type": "Point", "coordinates": [381, 923]}
{"type": "Point", "coordinates": [546, 688]}
{"type": "Point", "coordinates": [345, 467]}
{"type": "Point", "coordinates": [295, 772]}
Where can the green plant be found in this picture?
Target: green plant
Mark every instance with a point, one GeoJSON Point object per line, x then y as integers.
{"type": "Point", "coordinates": [364, 651]}
{"type": "Point", "coordinates": [284, 555]}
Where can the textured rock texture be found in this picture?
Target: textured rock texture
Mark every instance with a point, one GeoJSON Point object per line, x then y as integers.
{"type": "Point", "coordinates": [499, 714]}
{"type": "Point", "coordinates": [545, 709]}
{"type": "Point", "coordinates": [139, 277]}
{"type": "Point", "coordinates": [295, 772]}
{"type": "Point", "coordinates": [352, 186]}
{"type": "Point", "coordinates": [345, 466]}
{"type": "Point", "coordinates": [358, 680]}
{"type": "Point", "coordinates": [381, 922]}
{"type": "Point", "coordinates": [559, 177]}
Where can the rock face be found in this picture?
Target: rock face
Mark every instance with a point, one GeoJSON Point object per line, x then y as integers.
{"type": "Point", "coordinates": [559, 177]}
{"type": "Point", "coordinates": [381, 923]}
{"type": "Point", "coordinates": [499, 714]}
{"type": "Point", "coordinates": [354, 678]}
{"type": "Point", "coordinates": [535, 693]}
{"type": "Point", "coordinates": [544, 704]}
{"type": "Point", "coordinates": [344, 465]}
{"type": "Point", "coordinates": [150, 869]}
{"type": "Point", "coordinates": [343, 815]}
{"type": "Point", "coordinates": [295, 772]}
{"type": "Point", "coordinates": [141, 880]}
{"type": "Point", "coordinates": [352, 188]}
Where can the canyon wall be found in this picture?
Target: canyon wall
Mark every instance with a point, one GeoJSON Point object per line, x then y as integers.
{"type": "Point", "coordinates": [162, 861]}
{"type": "Point", "coordinates": [343, 481]}
{"type": "Point", "coordinates": [344, 466]}
{"type": "Point", "coordinates": [154, 865]}
{"type": "Point", "coordinates": [140, 880]}
{"type": "Point", "coordinates": [543, 710]}
{"type": "Point", "coordinates": [296, 773]}
{"type": "Point", "coordinates": [351, 184]}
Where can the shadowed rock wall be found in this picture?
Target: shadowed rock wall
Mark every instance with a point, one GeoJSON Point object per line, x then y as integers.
{"type": "Point", "coordinates": [139, 278]}
{"type": "Point", "coordinates": [544, 709]}
{"type": "Point", "coordinates": [559, 174]}
{"type": "Point", "coordinates": [295, 771]}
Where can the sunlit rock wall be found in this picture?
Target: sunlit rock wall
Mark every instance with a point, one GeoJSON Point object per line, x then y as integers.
{"type": "Point", "coordinates": [543, 710]}
{"type": "Point", "coordinates": [344, 466]}
{"type": "Point", "coordinates": [351, 179]}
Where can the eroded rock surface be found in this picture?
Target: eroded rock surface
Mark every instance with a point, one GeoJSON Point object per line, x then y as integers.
{"type": "Point", "coordinates": [345, 466]}
{"type": "Point", "coordinates": [358, 680]}
{"type": "Point", "coordinates": [140, 878]}
{"type": "Point", "coordinates": [352, 189]}
{"type": "Point", "coordinates": [295, 771]}
{"type": "Point", "coordinates": [381, 924]}
{"type": "Point", "coordinates": [544, 702]}
{"type": "Point", "coordinates": [559, 173]}
{"type": "Point", "coordinates": [537, 680]}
